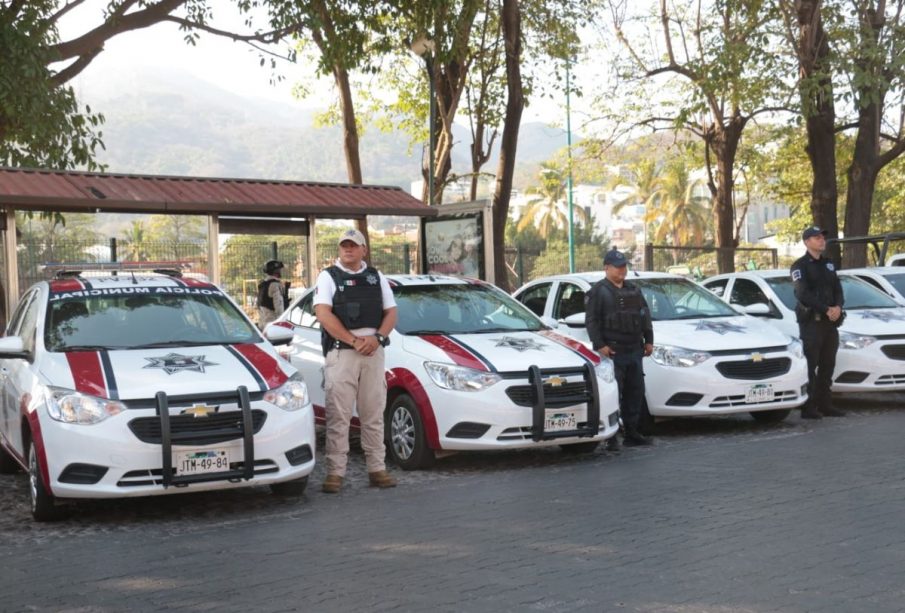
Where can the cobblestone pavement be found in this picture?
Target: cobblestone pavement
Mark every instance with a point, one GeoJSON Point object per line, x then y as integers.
{"type": "Point", "coordinates": [721, 515]}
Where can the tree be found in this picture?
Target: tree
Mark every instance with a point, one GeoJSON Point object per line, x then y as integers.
{"type": "Point", "coordinates": [718, 63]}
{"type": "Point", "coordinates": [546, 207]}
{"type": "Point", "coordinates": [681, 216]}
{"type": "Point", "coordinates": [135, 248]}
{"type": "Point", "coordinates": [41, 123]}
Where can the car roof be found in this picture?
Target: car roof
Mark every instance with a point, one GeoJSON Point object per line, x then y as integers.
{"type": "Point", "coordinates": [880, 270]}
{"type": "Point", "coordinates": [763, 274]}
{"type": "Point", "coordinates": [595, 276]}
{"type": "Point", "coordinates": [406, 280]}
{"type": "Point", "coordinates": [124, 280]}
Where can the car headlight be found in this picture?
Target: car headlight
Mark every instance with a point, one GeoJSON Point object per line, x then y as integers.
{"type": "Point", "coordinates": [796, 348]}
{"type": "Point", "coordinates": [847, 340]}
{"type": "Point", "coordinates": [677, 356]}
{"type": "Point", "coordinates": [291, 396]}
{"type": "Point", "coordinates": [72, 407]}
{"type": "Point", "coordinates": [605, 370]}
{"type": "Point", "coordinates": [460, 378]}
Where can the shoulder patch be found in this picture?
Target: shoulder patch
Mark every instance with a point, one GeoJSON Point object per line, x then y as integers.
{"type": "Point", "coordinates": [796, 274]}
{"type": "Point", "coordinates": [830, 267]}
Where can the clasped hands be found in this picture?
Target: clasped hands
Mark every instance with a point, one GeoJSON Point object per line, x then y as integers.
{"type": "Point", "coordinates": [834, 313]}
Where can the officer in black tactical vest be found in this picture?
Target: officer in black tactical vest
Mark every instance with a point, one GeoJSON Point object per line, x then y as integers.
{"type": "Point", "coordinates": [354, 304]}
{"type": "Point", "coordinates": [819, 313]}
{"type": "Point", "coordinates": [619, 326]}
{"type": "Point", "coordinates": [273, 294]}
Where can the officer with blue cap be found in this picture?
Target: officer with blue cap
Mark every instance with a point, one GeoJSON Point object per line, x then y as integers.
{"type": "Point", "coordinates": [620, 328]}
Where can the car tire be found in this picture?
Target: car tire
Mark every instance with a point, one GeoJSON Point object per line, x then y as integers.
{"type": "Point", "coordinates": [773, 416]}
{"type": "Point", "coordinates": [645, 420]}
{"type": "Point", "coordinates": [405, 438]}
{"type": "Point", "coordinates": [43, 503]}
{"type": "Point", "coordinates": [296, 487]}
{"type": "Point", "coordinates": [8, 465]}
{"type": "Point", "coordinates": [577, 448]}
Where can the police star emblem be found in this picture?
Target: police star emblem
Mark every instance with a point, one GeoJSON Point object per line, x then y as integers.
{"type": "Point", "coordinates": [519, 344]}
{"type": "Point", "coordinates": [884, 316]}
{"type": "Point", "coordinates": [174, 362]}
{"type": "Point", "coordinates": [720, 327]}
{"type": "Point", "coordinates": [371, 279]}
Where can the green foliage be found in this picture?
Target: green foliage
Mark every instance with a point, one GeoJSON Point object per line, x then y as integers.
{"type": "Point", "coordinates": [547, 205]}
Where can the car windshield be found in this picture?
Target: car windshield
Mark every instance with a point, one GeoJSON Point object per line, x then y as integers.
{"type": "Point", "coordinates": [452, 309]}
{"type": "Point", "coordinates": [858, 294]}
{"type": "Point", "coordinates": [671, 299]}
{"type": "Point", "coordinates": [141, 320]}
{"type": "Point", "coordinates": [898, 281]}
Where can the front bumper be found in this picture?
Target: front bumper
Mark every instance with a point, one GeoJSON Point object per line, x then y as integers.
{"type": "Point", "coordinates": [870, 369]}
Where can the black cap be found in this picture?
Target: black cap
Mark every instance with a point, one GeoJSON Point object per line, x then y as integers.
{"type": "Point", "coordinates": [272, 266]}
{"type": "Point", "coordinates": [811, 232]}
{"type": "Point", "coordinates": [614, 257]}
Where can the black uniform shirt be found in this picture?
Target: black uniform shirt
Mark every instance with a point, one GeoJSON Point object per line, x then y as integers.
{"type": "Point", "coordinates": [596, 312]}
{"type": "Point", "coordinates": [817, 286]}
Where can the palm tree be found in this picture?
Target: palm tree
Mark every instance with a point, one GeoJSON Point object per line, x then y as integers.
{"type": "Point", "coordinates": [682, 218]}
{"type": "Point", "coordinates": [547, 207]}
{"type": "Point", "coordinates": [643, 187]}
{"type": "Point", "coordinates": [135, 240]}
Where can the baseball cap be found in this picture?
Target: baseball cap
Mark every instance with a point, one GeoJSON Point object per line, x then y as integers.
{"type": "Point", "coordinates": [352, 235]}
{"type": "Point", "coordinates": [811, 232]}
{"type": "Point", "coordinates": [614, 257]}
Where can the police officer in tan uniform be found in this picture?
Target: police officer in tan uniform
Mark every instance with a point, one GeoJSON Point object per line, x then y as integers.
{"type": "Point", "coordinates": [273, 294]}
{"type": "Point", "coordinates": [354, 304]}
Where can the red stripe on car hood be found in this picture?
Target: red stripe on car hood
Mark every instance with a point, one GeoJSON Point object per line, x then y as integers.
{"type": "Point", "coordinates": [456, 352]}
{"type": "Point", "coordinates": [266, 364]}
{"type": "Point", "coordinates": [87, 373]}
{"type": "Point", "coordinates": [572, 344]}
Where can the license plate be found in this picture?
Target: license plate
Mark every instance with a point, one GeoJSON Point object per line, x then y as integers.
{"type": "Point", "coordinates": [198, 462]}
{"type": "Point", "coordinates": [556, 421]}
{"type": "Point", "coordinates": [759, 393]}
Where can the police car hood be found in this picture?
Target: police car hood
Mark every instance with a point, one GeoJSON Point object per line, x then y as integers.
{"type": "Point", "coordinates": [177, 371]}
{"type": "Point", "coordinates": [718, 333]}
{"type": "Point", "coordinates": [875, 322]}
{"type": "Point", "coordinates": [501, 351]}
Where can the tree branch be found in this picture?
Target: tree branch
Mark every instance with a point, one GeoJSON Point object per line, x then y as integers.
{"type": "Point", "coordinates": [76, 67]}
{"type": "Point", "coordinates": [66, 8]}
{"type": "Point", "coordinates": [272, 36]}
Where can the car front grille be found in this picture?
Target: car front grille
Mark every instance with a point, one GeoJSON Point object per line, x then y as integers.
{"type": "Point", "coordinates": [752, 371]}
{"type": "Point", "coordinates": [190, 430]}
{"type": "Point", "coordinates": [564, 395]}
{"type": "Point", "coordinates": [894, 352]}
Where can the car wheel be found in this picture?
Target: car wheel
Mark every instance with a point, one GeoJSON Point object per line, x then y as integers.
{"type": "Point", "coordinates": [587, 447]}
{"type": "Point", "coordinates": [8, 465]}
{"type": "Point", "coordinates": [645, 420]}
{"type": "Point", "coordinates": [773, 416]}
{"type": "Point", "coordinates": [406, 442]}
{"type": "Point", "coordinates": [43, 507]}
{"type": "Point", "coordinates": [296, 487]}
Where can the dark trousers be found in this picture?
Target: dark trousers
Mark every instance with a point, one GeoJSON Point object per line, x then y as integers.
{"type": "Point", "coordinates": [630, 377]}
{"type": "Point", "coordinates": [820, 340]}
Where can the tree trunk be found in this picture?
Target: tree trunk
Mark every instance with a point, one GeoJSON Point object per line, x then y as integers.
{"type": "Point", "coordinates": [512, 34]}
{"type": "Point", "coordinates": [820, 118]}
{"type": "Point", "coordinates": [862, 178]}
{"type": "Point", "coordinates": [724, 141]}
{"type": "Point", "coordinates": [350, 127]}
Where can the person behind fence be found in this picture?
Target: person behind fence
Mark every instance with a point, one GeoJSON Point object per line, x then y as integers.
{"type": "Point", "coordinates": [273, 294]}
{"type": "Point", "coordinates": [354, 304]}
{"type": "Point", "coordinates": [620, 328]}
{"type": "Point", "coordinates": [819, 314]}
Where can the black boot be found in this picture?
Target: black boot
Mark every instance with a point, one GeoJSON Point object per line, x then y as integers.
{"type": "Point", "coordinates": [810, 412]}
{"type": "Point", "coordinates": [613, 445]}
{"type": "Point", "coordinates": [636, 439]}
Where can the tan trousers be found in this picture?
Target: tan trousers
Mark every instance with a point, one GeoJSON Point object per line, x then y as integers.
{"type": "Point", "coordinates": [350, 380]}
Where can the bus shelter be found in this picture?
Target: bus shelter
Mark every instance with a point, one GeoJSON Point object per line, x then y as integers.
{"type": "Point", "coordinates": [232, 206]}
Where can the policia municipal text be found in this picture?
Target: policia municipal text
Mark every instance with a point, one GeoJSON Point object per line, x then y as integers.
{"type": "Point", "coordinates": [354, 304]}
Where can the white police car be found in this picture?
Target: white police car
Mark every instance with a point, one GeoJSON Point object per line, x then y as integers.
{"type": "Point", "coordinates": [470, 368]}
{"type": "Point", "coordinates": [145, 384]}
{"type": "Point", "coordinates": [708, 358]}
{"type": "Point", "coordinates": [871, 354]}
{"type": "Point", "coordinates": [888, 279]}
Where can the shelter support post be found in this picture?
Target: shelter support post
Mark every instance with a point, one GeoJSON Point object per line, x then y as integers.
{"type": "Point", "coordinates": [313, 267]}
{"type": "Point", "coordinates": [213, 248]}
{"type": "Point", "coordinates": [11, 260]}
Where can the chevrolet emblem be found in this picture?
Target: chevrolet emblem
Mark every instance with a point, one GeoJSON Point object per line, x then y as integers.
{"type": "Point", "coordinates": [757, 357]}
{"type": "Point", "coordinates": [555, 381]}
{"type": "Point", "coordinates": [199, 410]}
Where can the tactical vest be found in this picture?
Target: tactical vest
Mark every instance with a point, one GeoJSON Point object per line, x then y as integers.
{"type": "Point", "coordinates": [623, 313]}
{"type": "Point", "coordinates": [264, 298]}
{"type": "Point", "coordinates": [357, 302]}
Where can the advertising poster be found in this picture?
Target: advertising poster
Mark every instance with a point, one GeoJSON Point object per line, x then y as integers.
{"type": "Point", "coordinates": [454, 246]}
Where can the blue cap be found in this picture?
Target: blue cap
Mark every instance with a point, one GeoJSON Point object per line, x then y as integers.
{"type": "Point", "coordinates": [811, 232]}
{"type": "Point", "coordinates": [614, 257]}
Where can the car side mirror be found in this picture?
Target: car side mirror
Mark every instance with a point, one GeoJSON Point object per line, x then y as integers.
{"type": "Point", "coordinates": [279, 333]}
{"type": "Point", "coordinates": [574, 321]}
{"type": "Point", "coordinates": [757, 309]}
{"type": "Point", "coordinates": [12, 348]}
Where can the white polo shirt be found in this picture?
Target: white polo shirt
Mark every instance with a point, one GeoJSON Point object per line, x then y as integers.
{"type": "Point", "coordinates": [325, 288]}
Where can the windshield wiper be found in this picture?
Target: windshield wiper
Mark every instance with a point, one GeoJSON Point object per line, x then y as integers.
{"type": "Point", "coordinates": [425, 332]}
{"type": "Point", "coordinates": [501, 329]}
{"type": "Point", "coordinates": [163, 344]}
{"type": "Point", "coordinates": [68, 348]}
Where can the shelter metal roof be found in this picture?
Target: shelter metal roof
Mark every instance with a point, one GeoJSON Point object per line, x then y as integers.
{"type": "Point", "coordinates": [39, 189]}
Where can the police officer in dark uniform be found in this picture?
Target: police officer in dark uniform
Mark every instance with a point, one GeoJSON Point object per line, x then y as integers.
{"type": "Point", "coordinates": [819, 313]}
{"type": "Point", "coordinates": [619, 326]}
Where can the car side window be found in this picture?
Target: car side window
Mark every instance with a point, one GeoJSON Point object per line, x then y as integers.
{"type": "Point", "coordinates": [718, 287]}
{"type": "Point", "coordinates": [746, 292]}
{"type": "Point", "coordinates": [535, 298]}
{"type": "Point", "coordinates": [29, 324]}
{"type": "Point", "coordinates": [569, 301]}
{"type": "Point", "coordinates": [873, 282]}
{"type": "Point", "coordinates": [15, 321]}
{"type": "Point", "coordinates": [302, 314]}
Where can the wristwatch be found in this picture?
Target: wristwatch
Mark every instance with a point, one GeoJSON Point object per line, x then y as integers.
{"type": "Point", "coordinates": [384, 341]}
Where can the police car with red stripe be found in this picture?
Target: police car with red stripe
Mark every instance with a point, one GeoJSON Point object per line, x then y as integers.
{"type": "Point", "coordinates": [142, 384]}
{"type": "Point", "coordinates": [470, 368]}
